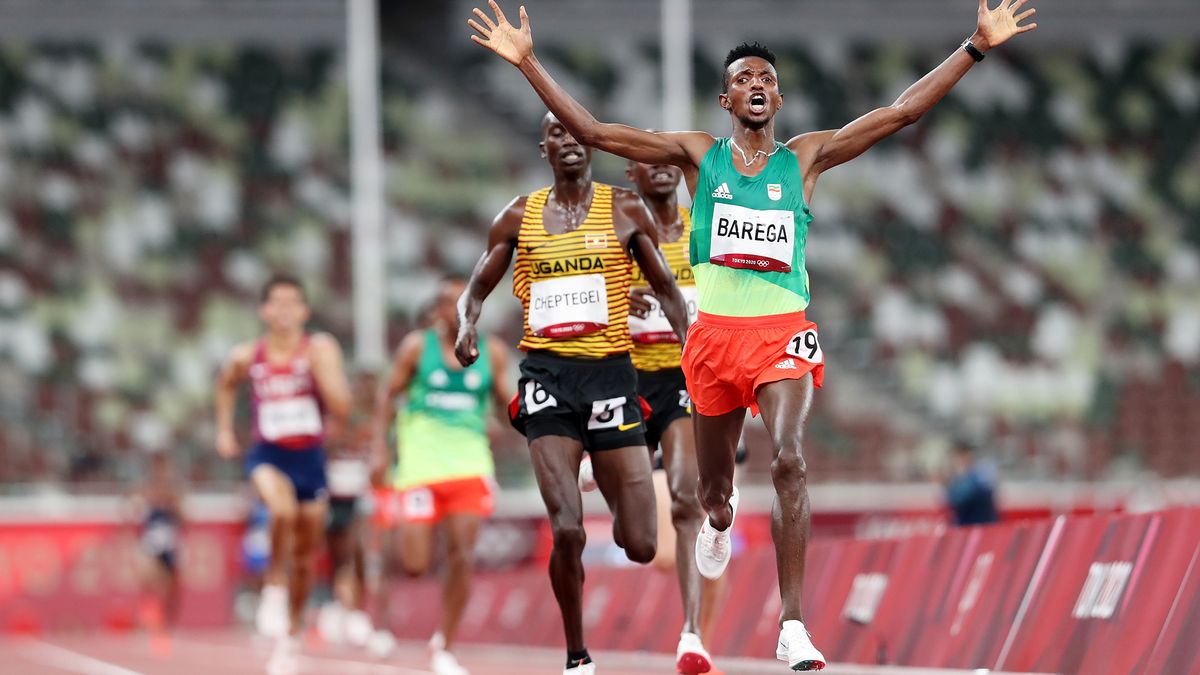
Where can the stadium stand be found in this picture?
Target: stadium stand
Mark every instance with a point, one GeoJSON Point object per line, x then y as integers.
{"type": "Point", "coordinates": [1022, 267]}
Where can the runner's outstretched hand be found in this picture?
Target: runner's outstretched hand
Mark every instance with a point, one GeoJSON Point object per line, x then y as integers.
{"type": "Point", "coordinates": [996, 26]}
{"type": "Point", "coordinates": [511, 43]}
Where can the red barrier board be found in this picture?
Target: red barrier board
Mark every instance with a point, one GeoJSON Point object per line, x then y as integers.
{"type": "Point", "coordinates": [82, 575]}
{"type": "Point", "coordinates": [1073, 595]}
{"type": "Point", "coordinates": [964, 597]}
{"type": "Point", "coordinates": [1108, 585]}
{"type": "Point", "coordinates": [1177, 650]}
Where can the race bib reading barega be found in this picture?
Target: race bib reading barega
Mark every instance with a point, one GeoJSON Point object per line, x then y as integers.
{"type": "Point", "coordinates": [288, 418]}
{"type": "Point", "coordinates": [655, 327]}
{"type": "Point", "coordinates": [752, 239]}
{"type": "Point", "coordinates": [568, 306]}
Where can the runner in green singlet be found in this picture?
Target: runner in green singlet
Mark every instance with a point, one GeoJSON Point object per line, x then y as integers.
{"type": "Point", "coordinates": [444, 472]}
{"type": "Point", "coordinates": [752, 346]}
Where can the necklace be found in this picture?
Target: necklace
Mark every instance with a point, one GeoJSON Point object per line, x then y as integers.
{"type": "Point", "coordinates": [756, 153]}
{"type": "Point", "coordinates": [575, 214]}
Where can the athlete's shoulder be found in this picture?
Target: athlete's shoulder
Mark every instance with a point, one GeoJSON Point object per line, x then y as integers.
{"type": "Point", "coordinates": [322, 340]}
{"type": "Point", "coordinates": [512, 213]}
{"type": "Point", "coordinates": [412, 344]}
{"type": "Point", "coordinates": [241, 357]}
{"type": "Point", "coordinates": [631, 205]}
{"type": "Point", "coordinates": [806, 146]}
{"type": "Point", "coordinates": [243, 352]}
{"type": "Point", "coordinates": [697, 143]}
{"type": "Point", "coordinates": [323, 344]}
{"type": "Point", "coordinates": [623, 193]}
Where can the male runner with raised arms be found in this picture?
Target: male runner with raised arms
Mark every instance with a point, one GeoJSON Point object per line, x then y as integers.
{"type": "Point", "coordinates": [444, 471]}
{"type": "Point", "coordinates": [297, 380]}
{"type": "Point", "coordinates": [578, 389]}
{"type": "Point", "coordinates": [752, 346]}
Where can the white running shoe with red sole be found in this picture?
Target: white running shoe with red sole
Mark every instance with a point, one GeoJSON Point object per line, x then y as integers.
{"type": "Point", "coordinates": [690, 656]}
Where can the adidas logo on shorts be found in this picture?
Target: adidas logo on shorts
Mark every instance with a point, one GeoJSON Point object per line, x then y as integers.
{"type": "Point", "coordinates": [722, 192]}
{"type": "Point", "coordinates": [786, 364]}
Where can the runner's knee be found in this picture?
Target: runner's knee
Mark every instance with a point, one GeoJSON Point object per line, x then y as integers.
{"type": "Point", "coordinates": [715, 493]}
{"type": "Point", "coordinates": [458, 559]}
{"type": "Point", "coordinates": [305, 546]}
{"type": "Point", "coordinates": [414, 566]}
{"type": "Point", "coordinates": [569, 536]}
{"type": "Point", "coordinates": [415, 559]}
{"type": "Point", "coordinates": [685, 508]}
{"type": "Point", "coordinates": [789, 468]}
{"type": "Point", "coordinates": [640, 548]}
{"type": "Point", "coordinates": [285, 516]}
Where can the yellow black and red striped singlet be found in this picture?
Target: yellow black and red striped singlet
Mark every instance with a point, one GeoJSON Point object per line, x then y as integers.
{"type": "Point", "coordinates": [574, 286]}
{"type": "Point", "coordinates": [655, 345]}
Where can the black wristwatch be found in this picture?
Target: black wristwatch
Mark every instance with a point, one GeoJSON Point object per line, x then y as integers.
{"type": "Point", "coordinates": [972, 50]}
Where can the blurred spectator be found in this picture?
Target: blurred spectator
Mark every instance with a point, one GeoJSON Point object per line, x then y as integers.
{"type": "Point", "coordinates": [971, 487]}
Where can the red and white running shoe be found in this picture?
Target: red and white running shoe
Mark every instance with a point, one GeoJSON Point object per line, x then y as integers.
{"type": "Point", "coordinates": [690, 656]}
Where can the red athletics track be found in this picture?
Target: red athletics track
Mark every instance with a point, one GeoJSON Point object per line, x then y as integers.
{"type": "Point", "coordinates": [206, 653]}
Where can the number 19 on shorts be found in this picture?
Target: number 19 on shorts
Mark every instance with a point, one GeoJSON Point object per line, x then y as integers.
{"type": "Point", "coordinates": [805, 345]}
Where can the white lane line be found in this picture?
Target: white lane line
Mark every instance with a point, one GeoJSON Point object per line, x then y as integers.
{"type": "Point", "coordinates": [343, 665]}
{"type": "Point", "coordinates": [72, 661]}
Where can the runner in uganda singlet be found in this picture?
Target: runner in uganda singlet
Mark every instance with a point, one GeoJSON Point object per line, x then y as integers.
{"type": "Point", "coordinates": [748, 235]}
{"type": "Point", "coordinates": [655, 345]}
{"type": "Point", "coordinates": [573, 286]}
{"type": "Point", "coordinates": [286, 405]}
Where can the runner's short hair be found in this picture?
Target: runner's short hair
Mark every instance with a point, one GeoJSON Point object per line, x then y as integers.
{"type": "Point", "coordinates": [282, 280]}
{"type": "Point", "coordinates": [742, 51]}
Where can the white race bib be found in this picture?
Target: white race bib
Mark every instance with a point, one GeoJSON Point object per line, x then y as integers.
{"type": "Point", "coordinates": [568, 306]}
{"type": "Point", "coordinates": [655, 327]}
{"type": "Point", "coordinates": [348, 477]}
{"type": "Point", "coordinates": [289, 417]}
{"type": "Point", "coordinates": [751, 239]}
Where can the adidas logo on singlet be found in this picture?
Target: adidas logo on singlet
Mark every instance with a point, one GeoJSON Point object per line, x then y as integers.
{"type": "Point", "coordinates": [787, 364]}
{"type": "Point", "coordinates": [722, 192]}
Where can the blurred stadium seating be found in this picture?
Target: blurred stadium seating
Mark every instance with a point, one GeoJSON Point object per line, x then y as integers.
{"type": "Point", "coordinates": [1022, 267]}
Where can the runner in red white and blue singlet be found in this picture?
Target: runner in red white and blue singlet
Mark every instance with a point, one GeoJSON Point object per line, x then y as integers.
{"type": "Point", "coordinates": [286, 405]}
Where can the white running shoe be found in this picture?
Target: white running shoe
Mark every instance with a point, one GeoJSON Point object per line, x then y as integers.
{"type": "Point", "coordinates": [587, 478]}
{"type": "Point", "coordinates": [437, 642]}
{"type": "Point", "coordinates": [357, 628]}
{"type": "Point", "coordinates": [331, 623]}
{"type": "Point", "coordinates": [381, 644]}
{"type": "Point", "coordinates": [444, 663]}
{"type": "Point", "coordinates": [796, 648]}
{"type": "Point", "coordinates": [588, 668]}
{"type": "Point", "coordinates": [690, 656]}
{"type": "Point", "coordinates": [715, 547]}
{"type": "Point", "coordinates": [285, 659]}
{"type": "Point", "coordinates": [271, 619]}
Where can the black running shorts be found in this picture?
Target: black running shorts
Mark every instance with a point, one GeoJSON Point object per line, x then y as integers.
{"type": "Point", "coordinates": [666, 392]}
{"type": "Point", "coordinates": [594, 401]}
